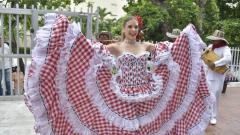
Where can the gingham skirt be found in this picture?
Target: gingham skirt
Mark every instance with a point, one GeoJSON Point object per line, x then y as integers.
{"type": "Point", "coordinates": [69, 95]}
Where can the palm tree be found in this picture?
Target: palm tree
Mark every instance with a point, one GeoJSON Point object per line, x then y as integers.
{"type": "Point", "coordinates": [102, 15]}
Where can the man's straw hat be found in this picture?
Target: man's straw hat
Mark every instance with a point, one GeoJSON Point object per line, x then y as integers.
{"type": "Point", "coordinates": [217, 35]}
{"type": "Point", "coordinates": [175, 33]}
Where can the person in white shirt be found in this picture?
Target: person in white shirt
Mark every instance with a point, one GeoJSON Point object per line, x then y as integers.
{"type": "Point", "coordinates": [216, 80]}
{"type": "Point", "coordinates": [5, 68]}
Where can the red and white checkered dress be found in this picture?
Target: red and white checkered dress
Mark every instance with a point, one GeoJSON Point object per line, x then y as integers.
{"type": "Point", "coordinates": [76, 87]}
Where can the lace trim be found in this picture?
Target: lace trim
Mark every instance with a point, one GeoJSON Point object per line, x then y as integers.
{"type": "Point", "coordinates": [139, 97]}
{"type": "Point", "coordinates": [195, 45]}
{"type": "Point", "coordinates": [72, 33]}
{"type": "Point", "coordinates": [162, 58]}
{"type": "Point", "coordinates": [204, 121]}
{"type": "Point", "coordinates": [104, 56]}
{"type": "Point", "coordinates": [112, 117]}
{"type": "Point", "coordinates": [32, 93]}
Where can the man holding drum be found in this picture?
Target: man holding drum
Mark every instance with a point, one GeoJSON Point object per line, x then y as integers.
{"type": "Point", "coordinates": [217, 68]}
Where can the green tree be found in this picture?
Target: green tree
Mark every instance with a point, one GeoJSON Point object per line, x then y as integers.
{"type": "Point", "coordinates": [104, 24]}
{"type": "Point", "coordinates": [48, 3]}
{"type": "Point", "coordinates": [231, 27]}
{"type": "Point", "coordinates": [210, 17]}
{"type": "Point", "coordinates": [35, 3]}
{"type": "Point", "coordinates": [229, 20]}
{"type": "Point", "coordinates": [229, 9]}
{"type": "Point", "coordinates": [183, 12]}
{"type": "Point", "coordinates": [29, 3]}
{"type": "Point", "coordinates": [161, 16]}
{"type": "Point", "coordinates": [153, 16]}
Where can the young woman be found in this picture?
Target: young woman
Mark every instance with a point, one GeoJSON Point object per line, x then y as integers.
{"type": "Point", "coordinates": [77, 87]}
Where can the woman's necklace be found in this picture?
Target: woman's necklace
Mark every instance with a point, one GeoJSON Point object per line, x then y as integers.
{"type": "Point", "coordinates": [130, 42]}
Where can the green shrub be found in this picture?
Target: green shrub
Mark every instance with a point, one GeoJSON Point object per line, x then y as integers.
{"type": "Point", "coordinates": [231, 27]}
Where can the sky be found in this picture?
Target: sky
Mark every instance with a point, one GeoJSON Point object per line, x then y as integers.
{"type": "Point", "coordinates": [113, 6]}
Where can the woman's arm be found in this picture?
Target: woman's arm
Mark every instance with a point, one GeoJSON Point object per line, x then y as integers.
{"type": "Point", "coordinates": [114, 49]}
{"type": "Point", "coordinates": [150, 47]}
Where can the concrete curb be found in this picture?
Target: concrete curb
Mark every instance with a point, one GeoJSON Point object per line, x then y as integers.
{"type": "Point", "coordinates": [234, 84]}
{"type": "Point", "coordinates": [11, 98]}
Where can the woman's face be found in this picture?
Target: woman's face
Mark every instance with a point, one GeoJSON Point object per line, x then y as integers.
{"type": "Point", "coordinates": [131, 29]}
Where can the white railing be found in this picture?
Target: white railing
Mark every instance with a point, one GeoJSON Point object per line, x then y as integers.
{"type": "Point", "coordinates": [15, 30]}
{"type": "Point", "coordinates": [234, 74]}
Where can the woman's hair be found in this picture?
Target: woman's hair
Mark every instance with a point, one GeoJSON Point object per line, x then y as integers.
{"type": "Point", "coordinates": [124, 24]}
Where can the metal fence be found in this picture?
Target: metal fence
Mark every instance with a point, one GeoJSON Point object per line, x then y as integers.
{"type": "Point", "coordinates": [234, 74]}
{"type": "Point", "coordinates": [18, 30]}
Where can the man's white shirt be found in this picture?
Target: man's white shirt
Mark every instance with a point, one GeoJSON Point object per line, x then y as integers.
{"type": "Point", "coordinates": [225, 58]}
{"type": "Point", "coordinates": [6, 63]}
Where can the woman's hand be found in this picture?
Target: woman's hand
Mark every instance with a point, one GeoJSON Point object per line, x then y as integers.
{"type": "Point", "coordinates": [150, 47]}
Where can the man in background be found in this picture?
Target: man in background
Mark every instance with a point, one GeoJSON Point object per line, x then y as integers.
{"type": "Point", "coordinates": [104, 37]}
{"type": "Point", "coordinates": [5, 68]}
{"type": "Point", "coordinates": [215, 79]}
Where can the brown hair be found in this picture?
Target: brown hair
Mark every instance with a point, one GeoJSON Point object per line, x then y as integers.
{"type": "Point", "coordinates": [108, 34]}
{"type": "Point", "coordinates": [124, 24]}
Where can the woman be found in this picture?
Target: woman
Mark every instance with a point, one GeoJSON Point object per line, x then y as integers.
{"type": "Point", "coordinates": [76, 87]}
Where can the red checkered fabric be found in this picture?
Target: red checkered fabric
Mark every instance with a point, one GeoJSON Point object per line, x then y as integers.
{"type": "Point", "coordinates": [47, 83]}
{"type": "Point", "coordinates": [90, 115]}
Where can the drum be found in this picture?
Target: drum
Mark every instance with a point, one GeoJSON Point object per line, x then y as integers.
{"type": "Point", "coordinates": [210, 56]}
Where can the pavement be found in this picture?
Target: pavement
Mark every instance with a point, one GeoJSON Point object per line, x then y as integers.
{"type": "Point", "coordinates": [228, 122]}
{"type": "Point", "coordinates": [16, 119]}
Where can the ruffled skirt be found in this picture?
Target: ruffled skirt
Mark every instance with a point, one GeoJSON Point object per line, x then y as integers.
{"type": "Point", "coordinates": [68, 94]}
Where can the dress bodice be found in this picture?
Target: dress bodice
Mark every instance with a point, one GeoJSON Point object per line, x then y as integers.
{"type": "Point", "coordinates": [133, 78]}
{"type": "Point", "coordinates": [133, 68]}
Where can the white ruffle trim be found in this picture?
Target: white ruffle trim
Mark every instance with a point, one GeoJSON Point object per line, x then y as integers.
{"type": "Point", "coordinates": [195, 44]}
{"type": "Point", "coordinates": [157, 90]}
{"type": "Point", "coordinates": [32, 90]}
{"type": "Point", "coordinates": [127, 124]}
{"type": "Point", "coordinates": [195, 40]}
{"type": "Point", "coordinates": [72, 33]}
{"type": "Point", "coordinates": [32, 94]}
{"type": "Point", "coordinates": [104, 56]}
{"type": "Point", "coordinates": [162, 58]}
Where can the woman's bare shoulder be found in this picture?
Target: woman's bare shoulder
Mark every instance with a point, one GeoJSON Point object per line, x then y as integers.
{"type": "Point", "coordinates": [114, 47]}
{"type": "Point", "coordinates": [113, 44]}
